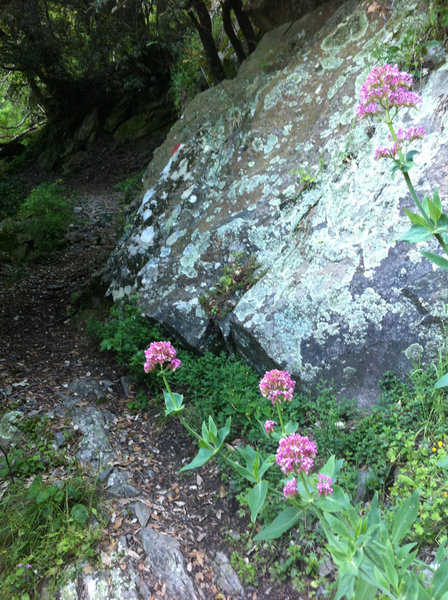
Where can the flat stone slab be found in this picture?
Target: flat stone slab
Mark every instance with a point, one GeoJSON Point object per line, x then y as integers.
{"type": "Point", "coordinates": [165, 560]}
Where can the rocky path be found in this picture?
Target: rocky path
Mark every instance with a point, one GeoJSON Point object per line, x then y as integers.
{"type": "Point", "coordinates": [166, 535]}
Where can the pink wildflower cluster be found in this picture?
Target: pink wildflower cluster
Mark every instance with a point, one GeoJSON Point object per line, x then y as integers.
{"type": "Point", "coordinates": [386, 87]}
{"type": "Point", "coordinates": [159, 353]}
{"type": "Point", "coordinates": [269, 426]}
{"type": "Point", "coordinates": [277, 385]}
{"type": "Point", "coordinates": [295, 453]}
{"type": "Point", "coordinates": [404, 138]}
{"type": "Point", "coordinates": [324, 485]}
{"type": "Point", "coordinates": [290, 489]}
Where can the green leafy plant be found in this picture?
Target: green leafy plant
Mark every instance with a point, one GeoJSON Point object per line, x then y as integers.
{"type": "Point", "coordinates": [126, 333]}
{"type": "Point", "coordinates": [12, 194]}
{"type": "Point", "coordinates": [140, 403]}
{"type": "Point", "coordinates": [189, 74]}
{"type": "Point", "coordinates": [237, 278]}
{"type": "Point", "coordinates": [39, 225]}
{"type": "Point", "coordinates": [130, 188]}
{"type": "Point", "coordinates": [384, 94]}
{"type": "Point", "coordinates": [44, 522]}
{"type": "Point", "coordinates": [366, 549]}
{"type": "Point", "coordinates": [307, 176]}
{"type": "Point", "coordinates": [245, 570]}
{"type": "Point", "coordinates": [419, 469]}
{"type": "Point", "coordinates": [44, 525]}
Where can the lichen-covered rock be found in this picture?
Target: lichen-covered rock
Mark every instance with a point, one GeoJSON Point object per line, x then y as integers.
{"type": "Point", "coordinates": [340, 298]}
{"type": "Point", "coordinates": [164, 559]}
{"type": "Point", "coordinates": [95, 449]}
{"type": "Point", "coordinates": [10, 426]}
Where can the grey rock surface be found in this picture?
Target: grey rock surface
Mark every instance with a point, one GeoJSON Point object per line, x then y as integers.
{"type": "Point", "coordinates": [164, 559]}
{"type": "Point", "coordinates": [227, 579]}
{"type": "Point", "coordinates": [340, 298]}
{"type": "Point", "coordinates": [95, 448]}
{"type": "Point", "coordinates": [119, 485]}
{"type": "Point", "coordinates": [142, 512]}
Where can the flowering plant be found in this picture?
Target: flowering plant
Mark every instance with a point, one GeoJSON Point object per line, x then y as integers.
{"type": "Point", "coordinates": [367, 552]}
{"type": "Point", "coordinates": [384, 94]}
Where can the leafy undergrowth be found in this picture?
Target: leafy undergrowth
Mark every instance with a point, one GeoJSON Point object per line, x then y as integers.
{"type": "Point", "coordinates": [49, 513]}
{"type": "Point", "coordinates": [393, 450]}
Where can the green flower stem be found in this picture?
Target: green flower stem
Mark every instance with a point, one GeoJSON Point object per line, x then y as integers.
{"type": "Point", "coordinates": [235, 465]}
{"type": "Point", "coordinates": [438, 237]}
{"type": "Point", "coordinates": [306, 487]}
{"type": "Point", "coordinates": [182, 420]}
{"type": "Point", "coordinates": [7, 464]}
{"type": "Point", "coordinates": [411, 189]}
{"type": "Point", "coordinates": [409, 183]}
{"type": "Point", "coordinates": [190, 429]}
{"type": "Point", "coordinates": [279, 410]}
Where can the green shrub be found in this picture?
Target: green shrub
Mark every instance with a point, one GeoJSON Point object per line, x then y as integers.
{"type": "Point", "coordinates": [126, 333]}
{"type": "Point", "coordinates": [129, 188]}
{"type": "Point", "coordinates": [12, 194]}
{"type": "Point", "coordinates": [222, 386]}
{"type": "Point", "coordinates": [419, 469]}
{"type": "Point", "coordinates": [188, 76]}
{"type": "Point", "coordinates": [39, 225]}
{"type": "Point", "coordinates": [46, 215]}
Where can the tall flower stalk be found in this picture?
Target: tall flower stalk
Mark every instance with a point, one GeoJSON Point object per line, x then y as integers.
{"type": "Point", "coordinates": [385, 93]}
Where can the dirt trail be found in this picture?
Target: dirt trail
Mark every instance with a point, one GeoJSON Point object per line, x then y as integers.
{"type": "Point", "coordinates": [43, 350]}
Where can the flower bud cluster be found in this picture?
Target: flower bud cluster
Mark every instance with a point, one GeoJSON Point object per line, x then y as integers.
{"type": "Point", "coordinates": [277, 386]}
{"type": "Point", "coordinates": [404, 138]}
{"type": "Point", "coordinates": [386, 87]}
{"type": "Point", "coordinates": [160, 353]}
{"type": "Point", "coordinates": [295, 453]}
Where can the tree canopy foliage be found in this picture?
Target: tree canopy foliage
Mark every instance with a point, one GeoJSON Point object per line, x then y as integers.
{"type": "Point", "coordinates": [78, 55]}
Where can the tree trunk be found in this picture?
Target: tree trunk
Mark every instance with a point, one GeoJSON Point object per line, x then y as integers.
{"type": "Point", "coordinates": [245, 24]}
{"type": "Point", "coordinates": [228, 28]}
{"type": "Point", "coordinates": [198, 13]}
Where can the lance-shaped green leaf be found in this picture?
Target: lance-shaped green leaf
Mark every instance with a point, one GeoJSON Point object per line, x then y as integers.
{"type": "Point", "coordinates": [405, 517]}
{"type": "Point", "coordinates": [365, 590]}
{"type": "Point", "coordinates": [417, 233]}
{"type": "Point", "coordinates": [440, 582]}
{"type": "Point", "coordinates": [347, 575]}
{"type": "Point", "coordinates": [434, 209]}
{"type": "Point", "coordinates": [224, 432]}
{"type": "Point", "coordinates": [440, 261]}
{"type": "Point", "coordinates": [412, 587]}
{"type": "Point", "coordinates": [436, 200]}
{"type": "Point", "coordinates": [202, 457]}
{"type": "Point", "coordinates": [291, 427]}
{"type": "Point", "coordinates": [415, 218]}
{"type": "Point", "coordinates": [374, 515]}
{"type": "Point", "coordinates": [266, 464]}
{"type": "Point", "coordinates": [442, 382]}
{"type": "Point", "coordinates": [282, 522]}
{"type": "Point", "coordinates": [442, 223]}
{"type": "Point", "coordinates": [213, 431]}
{"type": "Point", "coordinates": [254, 464]}
{"type": "Point", "coordinates": [244, 472]}
{"type": "Point", "coordinates": [337, 526]}
{"type": "Point", "coordinates": [256, 498]}
{"type": "Point", "coordinates": [173, 403]}
{"type": "Point", "coordinates": [442, 551]}
{"type": "Point", "coordinates": [388, 566]}
{"type": "Point", "coordinates": [338, 502]}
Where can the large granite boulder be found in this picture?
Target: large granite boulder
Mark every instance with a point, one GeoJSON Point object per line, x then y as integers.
{"type": "Point", "coordinates": [273, 165]}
